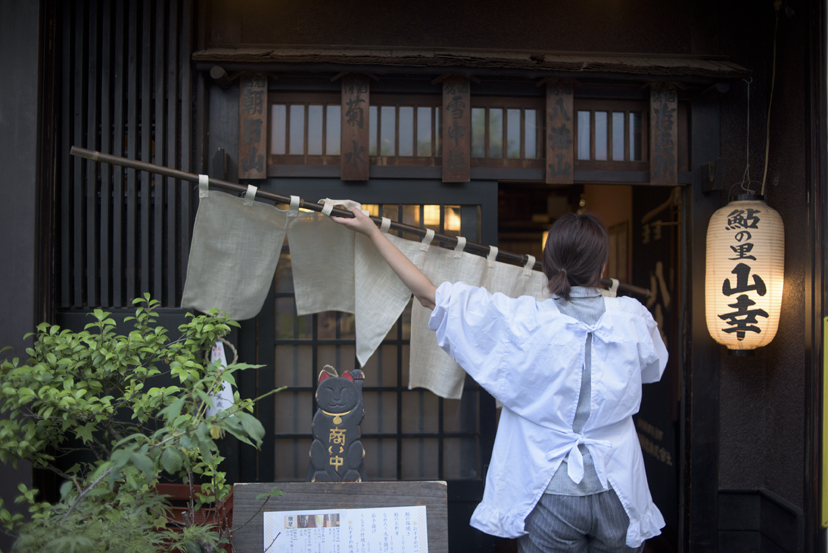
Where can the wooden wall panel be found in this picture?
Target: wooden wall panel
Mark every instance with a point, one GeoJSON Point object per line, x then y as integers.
{"type": "Point", "coordinates": [127, 90]}
{"type": "Point", "coordinates": [456, 134]}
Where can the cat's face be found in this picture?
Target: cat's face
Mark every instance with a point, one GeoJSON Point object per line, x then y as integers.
{"type": "Point", "coordinates": [337, 394]}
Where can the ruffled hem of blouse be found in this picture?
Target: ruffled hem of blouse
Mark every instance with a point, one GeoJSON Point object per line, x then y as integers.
{"type": "Point", "coordinates": [496, 523]}
{"type": "Point", "coordinates": [645, 527]}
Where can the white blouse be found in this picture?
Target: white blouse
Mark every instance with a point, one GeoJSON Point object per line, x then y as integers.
{"type": "Point", "coordinates": [530, 357]}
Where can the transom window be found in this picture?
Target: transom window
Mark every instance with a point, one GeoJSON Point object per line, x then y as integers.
{"type": "Point", "coordinates": [506, 132]}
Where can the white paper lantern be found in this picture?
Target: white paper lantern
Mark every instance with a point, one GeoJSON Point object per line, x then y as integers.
{"type": "Point", "coordinates": [745, 273]}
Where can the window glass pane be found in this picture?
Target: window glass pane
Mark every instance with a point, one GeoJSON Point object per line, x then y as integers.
{"type": "Point", "coordinates": [478, 138]}
{"type": "Point", "coordinates": [419, 459]}
{"type": "Point", "coordinates": [424, 132]}
{"type": "Point", "coordinates": [388, 130]}
{"type": "Point", "coordinates": [583, 134]}
{"type": "Point", "coordinates": [284, 274]}
{"type": "Point", "coordinates": [495, 133]}
{"type": "Point", "coordinates": [420, 411]}
{"type": "Point", "coordinates": [431, 217]}
{"type": "Point", "coordinates": [451, 220]}
{"type": "Point", "coordinates": [278, 114]}
{"type": "Point", "coordinates": [635, 137]}
{"type": "Point", "coordinates": [373, 120]}
{"type": "Point", "coordinates": [333, 132]}
{"type": "Point", "coordinates": [460, 459]}
{"type": "Point", "coordinates": [406, 131]}
{"type": "Point", "coordinates": [291, 458]}
{"type": "Point", "coordinates": [383, 412]}
{"type": "Point", "coordinates": [411, 215]}
{"type": "Point", "coordinates": [618, 136]}
{"type": "Point", "coordinates": [293, 412]}
{"type": "Point", "coordinates": [315, 130]}
{"type": "Point", "coordinates": [381, 368]}
{"type": "Point", "coordinates": [340, 357]}
{"type": "Point", "coordinates": [438, 134]}
{"type": "Point", "coordinates": [288, 324]}
{"type": "Point", "coordinates": [294, 366]}
{"type": "Point", "coordinates": [297, 130]}
{"type": "Point", "coordinates": [513, 133]}
{"type": "Point", "coordinates": [530, 133]}
{"type": "Point", "coordinates": [601, 135]}
{"type": "Point", "coordinates": [462, 415]}
{"type": "Point", "coordinates": [380, 458]}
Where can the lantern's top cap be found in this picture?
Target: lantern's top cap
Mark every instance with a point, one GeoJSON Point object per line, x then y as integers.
{"type": "Point", "coordinates": [749, 198]}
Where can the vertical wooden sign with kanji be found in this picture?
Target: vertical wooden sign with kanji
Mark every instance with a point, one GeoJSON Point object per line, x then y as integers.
{"type": "Point", "coordinates": [559, 127]}
{"type": "Point", "coordinates": [663, 135]}
{"type": "Point", "coordinates": [253, 127]}
{"type": "Point", "coordinates": [456, 135]}
{"type": "Point", "coordinates": [354, 128]}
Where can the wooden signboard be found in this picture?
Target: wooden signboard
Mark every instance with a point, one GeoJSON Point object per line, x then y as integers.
{"type": "Point", "coordinates": [456, 135]}
{"type": "Point", "coordinates": [253, 127]}
{"type": "Point", "coordinates": [249, 513]}
{"type": "Point", "coordinates": [354, 128]}
{"type": "Point", "coordinates": [559, 133]}
{"type": "Point", "coordinates": [663, 135]}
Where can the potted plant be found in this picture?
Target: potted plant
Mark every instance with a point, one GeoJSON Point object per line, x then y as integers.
{"type": "Point", "coordinates": [136, 406]}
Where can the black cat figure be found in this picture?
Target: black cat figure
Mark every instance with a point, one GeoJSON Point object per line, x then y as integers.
{"type": "Point", "coordinates": [336, 452]}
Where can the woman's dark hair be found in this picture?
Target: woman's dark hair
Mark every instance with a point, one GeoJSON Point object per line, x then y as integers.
{"type": "Point", "coordinates": [576, 251]}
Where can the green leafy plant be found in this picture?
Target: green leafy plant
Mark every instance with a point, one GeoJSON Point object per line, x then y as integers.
{"type": "Point", "coordinates": [102, 394]}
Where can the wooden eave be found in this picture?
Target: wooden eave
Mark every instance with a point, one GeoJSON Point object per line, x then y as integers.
{"type": "Point", "coordinates": [570, 62]}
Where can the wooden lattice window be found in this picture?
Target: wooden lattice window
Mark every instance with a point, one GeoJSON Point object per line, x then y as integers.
{"type": "Point", "coordinates": [405, 130]}
{"type": "Point", "coordinates": [507, 132]}
{"type": "Point", "coordinates": [305, 129]}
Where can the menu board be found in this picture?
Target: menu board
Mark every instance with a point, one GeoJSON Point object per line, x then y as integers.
{"type": "Point", "coordinates": [385, 530]}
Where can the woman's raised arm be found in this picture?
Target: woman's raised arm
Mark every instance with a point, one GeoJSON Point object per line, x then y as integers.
{"type": "Point", "coordinates": [419, 284]}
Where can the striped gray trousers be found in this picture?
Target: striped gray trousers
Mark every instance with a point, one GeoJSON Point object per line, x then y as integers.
{"type": "Point", "coordinates": [594, 523]}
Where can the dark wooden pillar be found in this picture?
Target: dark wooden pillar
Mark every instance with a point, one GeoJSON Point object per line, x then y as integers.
{"type": "Point", "coordinates": [663, 135]}
{"type": "Point", "coordinates": [698, 494]}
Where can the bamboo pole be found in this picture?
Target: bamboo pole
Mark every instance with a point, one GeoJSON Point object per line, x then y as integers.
{"type": "Point", "coordinates": [278, 198]}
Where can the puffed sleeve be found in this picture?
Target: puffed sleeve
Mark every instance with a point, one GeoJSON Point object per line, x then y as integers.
{"type": "Point", "coordinates": [653, 367]}
{"type": "Point", "coordinates": [503, 344]}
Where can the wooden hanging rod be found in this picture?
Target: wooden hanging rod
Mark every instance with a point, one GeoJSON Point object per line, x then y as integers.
{"type": "Point", "coordinates": [278, 198]}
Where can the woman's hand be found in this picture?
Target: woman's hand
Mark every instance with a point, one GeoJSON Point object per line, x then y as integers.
{"type": "Point", "coordinates": [361, 223]}
{"type": "Point", "coordinates": [417, 282]}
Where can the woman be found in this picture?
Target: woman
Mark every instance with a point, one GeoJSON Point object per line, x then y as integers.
{"type": "Point", "coordinates": [566, 472]}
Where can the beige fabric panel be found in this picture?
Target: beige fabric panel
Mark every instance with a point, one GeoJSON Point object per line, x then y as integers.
{"type": "Point", "coordinates": [235, 248]}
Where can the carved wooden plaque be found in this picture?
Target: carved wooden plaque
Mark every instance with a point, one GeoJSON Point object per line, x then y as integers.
{"type": "Point", "coordinates": [354, 134]}
{"type": "Point", "coordinates": [456, 134]}
{"type": "Point", "coordinates": [560, 123]}
{"type": "Point", "coordinates": [253, 127]}
{"type": "Point", "coordinates": [663, 135]}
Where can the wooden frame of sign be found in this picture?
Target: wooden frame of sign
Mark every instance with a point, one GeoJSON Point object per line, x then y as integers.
{"type": "Point", "coordinates": [248, 512]}
{"type": "Point", "coordinates": [663, 134]}
{"type": "Point", "coordinates": [253, 128]}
